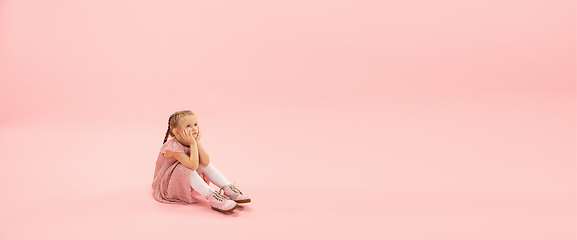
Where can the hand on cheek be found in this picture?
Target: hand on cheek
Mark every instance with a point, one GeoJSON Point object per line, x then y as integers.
{"type": "Point", "coordinates": [198, 134]}
{"type": "Point", "coordinates": [186, 136]}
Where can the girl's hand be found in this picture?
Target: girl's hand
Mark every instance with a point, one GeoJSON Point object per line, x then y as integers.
{"type": "Point", "coordinates": [187, 137]}
{"type": "Point", "coordinates": [198, 135]}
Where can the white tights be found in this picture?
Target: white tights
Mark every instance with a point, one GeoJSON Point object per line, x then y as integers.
{"type": "Point", "coordinates": [213, 175]}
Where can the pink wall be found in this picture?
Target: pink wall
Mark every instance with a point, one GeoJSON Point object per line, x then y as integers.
{"type": "Point", "coordinates": [97, 58]}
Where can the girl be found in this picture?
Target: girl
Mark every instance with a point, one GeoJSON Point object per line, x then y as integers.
{"type": "Point", "coordinates": [183, 166]}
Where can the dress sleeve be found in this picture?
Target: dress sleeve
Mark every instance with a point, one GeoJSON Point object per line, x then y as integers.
{"type": "Point", "coordinates": [172, 145]}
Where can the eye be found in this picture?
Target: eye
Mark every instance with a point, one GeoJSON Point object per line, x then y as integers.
{"type": "Point", "coordinates": [196, 124]}
{"type": "Point", "coordinates": [188, 125]}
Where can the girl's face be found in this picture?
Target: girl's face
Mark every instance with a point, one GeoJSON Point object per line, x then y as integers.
{"type": "Point", "coordinates": [187, 123]}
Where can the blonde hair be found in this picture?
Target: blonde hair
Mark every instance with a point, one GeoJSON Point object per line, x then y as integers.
{"type": "Point", "coordinates": [174, 120]}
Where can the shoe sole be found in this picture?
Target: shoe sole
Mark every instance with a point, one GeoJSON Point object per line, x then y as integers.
{"type": "Point", "coordinates": [224, 211]}
{"type": "Point", "coordinates": [242, 201]}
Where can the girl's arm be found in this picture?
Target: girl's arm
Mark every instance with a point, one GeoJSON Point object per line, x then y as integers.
{"type": "Point", "coordinates": [202, 155]}
{"type": "Point", "coordinates": [188, 161]}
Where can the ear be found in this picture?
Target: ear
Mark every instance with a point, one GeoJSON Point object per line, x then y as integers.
{"type": "Point", "coordinates": [174, 131]}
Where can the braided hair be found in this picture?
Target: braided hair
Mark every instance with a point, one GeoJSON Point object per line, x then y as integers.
{"type": "Point", "coordinates": [173, 122]}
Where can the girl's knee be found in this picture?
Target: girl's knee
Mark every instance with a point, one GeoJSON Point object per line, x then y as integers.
{"type": "Point", "coordinates": [205, 163]}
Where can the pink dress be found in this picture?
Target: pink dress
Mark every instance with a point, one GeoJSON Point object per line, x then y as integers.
{"type": "Point", "coordinates": [171, 182]}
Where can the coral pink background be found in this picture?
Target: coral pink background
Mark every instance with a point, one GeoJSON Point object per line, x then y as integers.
{"type": "Point", "coordinates": [341, 119]}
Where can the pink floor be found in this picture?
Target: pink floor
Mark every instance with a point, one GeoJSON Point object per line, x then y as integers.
{"type": "Point", "coordinates": [341, 119]}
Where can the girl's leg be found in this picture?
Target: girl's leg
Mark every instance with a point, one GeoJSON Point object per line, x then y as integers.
{"type": "Point", "coordinates": [199, 184]}
{"type": "Point", "coordinates": [218, 201]}
{"type": "Point", "coordinates": [213, 175]}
